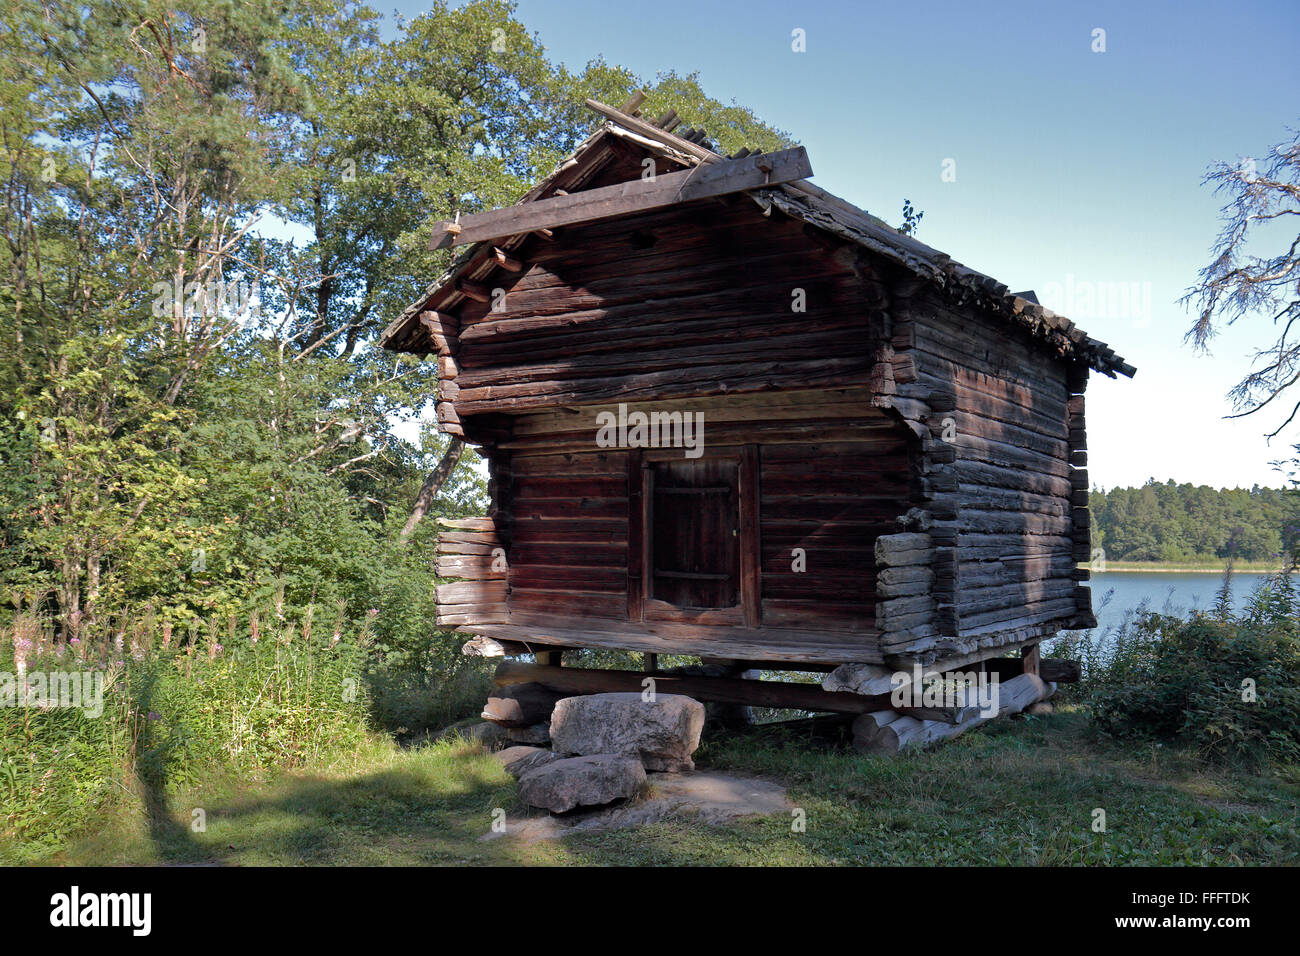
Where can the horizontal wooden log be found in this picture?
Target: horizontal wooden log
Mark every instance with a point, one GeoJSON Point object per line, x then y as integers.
{"type": "Point", "coordinates": [1057, 670]}
{"type": "Point", "coordinates": [477, 567]}
{"type": "Point", "coordinates": [722, 690]}
{"type": "Point", "coordinates": [791, 612]}
{"type": "Point", "coordinates": [731, 377]}
{"type": "Point", "coordinates": [889, 733]}
{"type": "Point", "coordinates": [468, 524]}
{"type": "Point", "coordinates": [895, 550]}
{"type": "Point", "coordinates": [464, 549]}
{"type": "Point", "coordinates": [489, 647]}
{"type": "Point", "coordinates": [459, 615]}
{"type": "Point", "coordinates": [1020, 615]}
{"type": "Point", "coordinates": [574, 603]}
{"type": "Point", "coordinates": [471, 592]}
{"type": "Point", "coordinates": [468, 537]}
{"type": "Point", "coordinates": [638, 195]}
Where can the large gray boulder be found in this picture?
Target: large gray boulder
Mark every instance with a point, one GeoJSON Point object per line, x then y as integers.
{"type": "Point", "coordinates": [662, 732]}
{"type": "Point", "coordinates": [590, 781]}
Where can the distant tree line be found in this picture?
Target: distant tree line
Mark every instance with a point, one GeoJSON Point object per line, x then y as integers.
{"type": "Point", "coordinates": [1185, 522]}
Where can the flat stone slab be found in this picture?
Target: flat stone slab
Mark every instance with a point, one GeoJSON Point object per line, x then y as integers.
{"type": "Point", "coordinates": [704, 797]}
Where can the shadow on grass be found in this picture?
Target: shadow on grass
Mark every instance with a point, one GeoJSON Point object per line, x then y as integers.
{"type": "Point", "coordinates": [1019, 794]}
{"type": "Point", "coordinates": [431, 810]}
{"type": "Point", "coordinates": [154, 751]}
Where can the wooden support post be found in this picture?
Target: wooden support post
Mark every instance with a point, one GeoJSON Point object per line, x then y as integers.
{"type": "Point", "coordinates": [1030, 657]}
{"type": "Point", "coordinates": [474, 290]}
{"type": "Point", "coordinates": [550, 658]}
{"type": "Point", "coordinates": [651, 663]}
{"type": "Point", "coordinates": [751, 587]}
{"type": "Point", "coordinates": [506, 261]}
{"type": "Point", "coordinates": [633, 103]}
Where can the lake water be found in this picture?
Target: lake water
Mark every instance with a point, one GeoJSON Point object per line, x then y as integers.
{"type": "Point", "coordinates": [1176, 592]}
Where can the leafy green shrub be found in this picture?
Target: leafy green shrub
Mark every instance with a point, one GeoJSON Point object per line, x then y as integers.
{"type": "Point", "coordinates": [1228, 685]}
{"type": "Point", "coordinates": [407, 701]}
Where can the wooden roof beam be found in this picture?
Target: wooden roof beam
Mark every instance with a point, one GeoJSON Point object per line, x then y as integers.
{"type": "Point", "coordinates": [653, 132]}
{"type": "Point", "coordinates": [633, 103]}
{"type": "Point", "coordinates": [506, 261]}
{"type": "Point", "coordinates": [638, 195]}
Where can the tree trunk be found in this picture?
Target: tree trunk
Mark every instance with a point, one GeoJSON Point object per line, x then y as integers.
{"type": "Point", "coordinates": [429, 490]}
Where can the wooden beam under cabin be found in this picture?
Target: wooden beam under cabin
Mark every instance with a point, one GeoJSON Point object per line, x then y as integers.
{"type": "Point", "coordinates": [637, 195]}
{"type": "Point", "coordinates": [722, 690]}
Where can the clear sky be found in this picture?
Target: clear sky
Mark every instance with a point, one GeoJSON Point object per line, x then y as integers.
{"type": "Point", "coordinates": [1075, 171]}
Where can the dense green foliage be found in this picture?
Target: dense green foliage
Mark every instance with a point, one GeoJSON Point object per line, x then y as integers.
{"type": "Point", "coordinates": [1172, 522]}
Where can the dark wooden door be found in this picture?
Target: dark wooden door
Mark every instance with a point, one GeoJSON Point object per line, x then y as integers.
{"type": "Point", "coordinates": [695, 533]}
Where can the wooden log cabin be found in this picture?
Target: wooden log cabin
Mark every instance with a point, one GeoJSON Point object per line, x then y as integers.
{"type": "Point", "coordinates": [728, 414]}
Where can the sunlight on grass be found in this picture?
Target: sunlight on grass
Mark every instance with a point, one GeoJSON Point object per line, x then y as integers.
{"type": "Point", "coordinates": [1023, 793]}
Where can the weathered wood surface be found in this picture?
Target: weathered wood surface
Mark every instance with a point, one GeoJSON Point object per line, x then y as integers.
{"type": "Point", "coordinates": [724, 690]}
{"type": "Point", "coordinates": [770, 643]}
{"type": "Point", "coordinates": [586, 293]}
{"type": "Point", "coordinates": [1004, 515]}
{"type": "Point", "coordinates": [577, 541]}
{"type": "Point", "coordinates": [468, 548]}
{"type": "Point", "coordinates": [639, 195]}
{"type": "Point", "coordinates": [888, 732]}
{"type": "Point", "coordinates": [924, 458]}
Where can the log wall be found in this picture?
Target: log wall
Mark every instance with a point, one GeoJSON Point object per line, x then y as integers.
{"type": "Point", "coordinates": [704, 298]}
{"type": "Point", "coordinates": [1003, 492]}
{"type": "Point", "coordinates": [821, 504]}
{"type": "Point", "coordinates": [925, 457]}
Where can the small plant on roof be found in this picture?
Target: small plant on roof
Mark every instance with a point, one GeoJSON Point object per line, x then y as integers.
{"type": "Point", "coordinates": [911, 219]}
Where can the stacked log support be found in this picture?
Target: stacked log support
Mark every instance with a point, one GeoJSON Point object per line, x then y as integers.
{"type": "Point", "coordinates": [903, 618]}
{"type": "Point", "coordinates": [926, 411]}
{"type": "Point", "coordinates": [722, 690]}
{"type": "Point", "coordinates": [1001, 482]}
{"type": "Point", "coordinates": [470, 550]}
{"type": "Point", "coordinates": [889, 732]}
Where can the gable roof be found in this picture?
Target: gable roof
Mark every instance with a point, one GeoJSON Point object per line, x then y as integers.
{"type": "Point", "coordinates": [798, 199]}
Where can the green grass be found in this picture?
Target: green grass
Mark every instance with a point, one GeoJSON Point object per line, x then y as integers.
{"type": "Point", "coordinates": [1019, 792]}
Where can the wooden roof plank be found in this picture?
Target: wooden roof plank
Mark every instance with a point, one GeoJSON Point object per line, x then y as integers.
{"type": "Point", "coordinates": [671, 140]}
{"type": "Point", "coordinates": [638, 195]}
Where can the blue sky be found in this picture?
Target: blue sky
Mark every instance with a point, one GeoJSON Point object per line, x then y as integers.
{"type": "Point", "coordinates": [1073, 169]}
